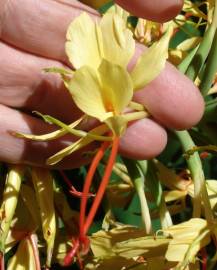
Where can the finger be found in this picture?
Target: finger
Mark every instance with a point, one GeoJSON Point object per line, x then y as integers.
{"type": "Point", "coordinates": [39, 26]}
{"type": "Point", "coordinates": [143, 140]}
{"type": "Point", "coordinates": [23, 84]}
{"type": "Point", "coordinates": [171, 98]}
{"type": "Point", "coordinates": [16, 150]}
{"type": "Point", "coordinates": [154, 10]}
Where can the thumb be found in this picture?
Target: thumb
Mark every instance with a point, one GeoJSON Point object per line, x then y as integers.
{"type": "Point", "coordinates": [154, 10]}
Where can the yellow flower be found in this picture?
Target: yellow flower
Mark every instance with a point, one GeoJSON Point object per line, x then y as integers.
{"type": "Point", "coordinates": [101, 86]}
{"type": "Point", "coordinates": [89, 42]}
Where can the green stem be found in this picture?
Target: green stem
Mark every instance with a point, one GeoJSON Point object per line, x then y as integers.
{"type": "Point", "coordinates": [211, 68]}
{"type": "Point", "coordinates": [10, 199]}
{"type": "Point", "coordinates": [154, 185]}
{"type": "Point", "coordinates": [195, 167]}
{"type": "Point", "coordinates": [204, 49]}
{"type": "Point", "coordinates": [138, 177]}
{"type": "Point", "coordinates": [165, 217]}
{"type": "Point", "coordinates": [139, 186]}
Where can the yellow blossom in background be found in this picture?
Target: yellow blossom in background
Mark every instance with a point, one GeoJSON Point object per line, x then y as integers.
{"type": "Point", "coordinates": [147, 32]}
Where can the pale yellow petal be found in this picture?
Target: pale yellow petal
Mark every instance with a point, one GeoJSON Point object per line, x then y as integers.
{"type": "Point", "coordinates": [186, 240]}
{"type": "Point", "coordinates": [68, 150]}
{"type": "Point", "coordinates": [43, 184]}
{"type": "Point", "coordinates": [118, 42]}
{"type": "Point", "coordinates": [115, 9]}
{"type": "Point", "coordinates": [53, 135]}
{"type": "Point", "coordinates": [116, 87]}
{"type": "Point", "coordinates": [85, 88]}
{"type": "Point", "coordinates": [77, 145]}
{"type": "Point", "coordinates": [151, 63]}
{"type": "Point", "coordinates": [84, 42]}
{"type": "Point", "coordinates": [23, 258]}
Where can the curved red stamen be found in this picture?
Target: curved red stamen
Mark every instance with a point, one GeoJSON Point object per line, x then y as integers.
{"type": "Point", "coordinates": [73, 190]}
{"type": "Point", "coordinates": [102, 186]}
{"type": "Point", "coordinates": [87, 184]}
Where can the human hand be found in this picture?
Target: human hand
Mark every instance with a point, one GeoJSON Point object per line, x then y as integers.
{"type": "Point", "coordinates": [32, 37]}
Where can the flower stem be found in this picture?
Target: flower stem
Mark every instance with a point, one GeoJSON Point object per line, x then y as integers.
{"type": "Point", "coordinates": [145, 214]}
{"type": "Point", "coordinates": [88, 182]}
{"type": "Point", "coordinates": [210, 69]}
{"type": "Point", "coordinates": [102, 186]}
{"type": "Point", "coordinates": [137, 171]}
{"type": "Point", "coordinates": [203, 49]}
{"type": "Point", "coordinates": [195, 167]}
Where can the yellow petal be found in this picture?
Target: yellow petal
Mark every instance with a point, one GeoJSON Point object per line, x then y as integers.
{"type": "Point", "coordinates": [186, 240]}
{"type": "Point", "coordinates": [84, 41]}
{"type": "Point", "coordinates": [116, 87]}
{"type": "Point", "coordinates": [116, 9]}
{"type": "Point", "coordinates": [53, 135]}
{"type": "Point", "coordinates": [77, 145]}
{"type": "Point", "coordinates": [28, 196]}
{"type": "Point", "coordinates": [86, 92]}
{"type": "Point", "coordinates": [43, 184]}
{"type": "Point", "coordinates": [151, 63]}
{"type": "Point", "coordinates": [118, 42]}
{"type": "Point", "coordinates": [9, 201]}
{"type": "Point", "coordinates": [23, 258]}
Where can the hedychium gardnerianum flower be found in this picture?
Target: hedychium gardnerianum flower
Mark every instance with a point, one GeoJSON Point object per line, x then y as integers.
{"type": "Point", "coordinates": [102, 88]}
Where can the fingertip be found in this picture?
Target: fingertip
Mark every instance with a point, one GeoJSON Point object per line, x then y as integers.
{"type": "Point", "coordinates": [144, 139]}
{"type": "Point", "coordinates": [173, 99]}
{"type": "Point", "coordinates": [154, 10]}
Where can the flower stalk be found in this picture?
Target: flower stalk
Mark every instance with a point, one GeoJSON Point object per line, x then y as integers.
{"type": "Point", "coordinates": [138, 178]}
{"type": "Point", "coordinates": [197, 174]}
{"type": "Point", "coordinates": [203, 49]}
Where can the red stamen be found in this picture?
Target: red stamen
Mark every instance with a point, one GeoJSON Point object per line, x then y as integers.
{"type": "Point", "coordinates": [204, 258]}
{"type": "Point", "coordinates": [102, 187]}
{"type": "Point", "coordinates": [2, 263]}
{"type": "Point", "coordinates": [72, 190]}
{"type": "Point", "coordinates": [71, 254]}
{"type": "Point", "coordinates": [87, 184]}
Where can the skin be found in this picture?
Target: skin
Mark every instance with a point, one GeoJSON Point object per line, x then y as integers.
{"type": "Point", "coordinates": [155, 10]}
{"type": "Point", "coordinates": [32, 37]}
